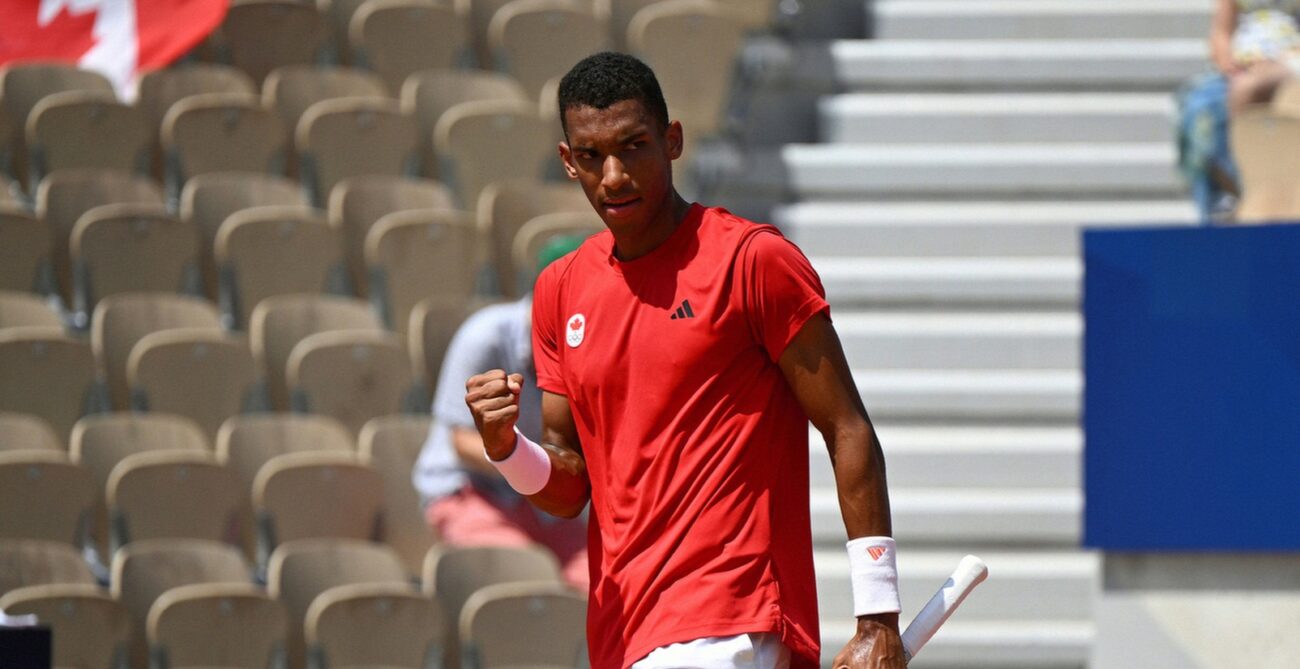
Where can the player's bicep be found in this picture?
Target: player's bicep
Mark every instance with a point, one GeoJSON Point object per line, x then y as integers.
{"type": "Point", "coordinates": [817, 372]}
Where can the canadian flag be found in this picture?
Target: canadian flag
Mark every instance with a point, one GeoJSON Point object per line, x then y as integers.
{"type": "Point", "coordinates": [118, 38]}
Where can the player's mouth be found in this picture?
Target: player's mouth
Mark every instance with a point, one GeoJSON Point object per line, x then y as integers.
{"type": "Point", "coordinates": [621, 206]}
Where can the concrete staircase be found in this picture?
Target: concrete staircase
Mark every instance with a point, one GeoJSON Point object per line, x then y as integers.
{"type": "Point", "coordinates": [957, 155]}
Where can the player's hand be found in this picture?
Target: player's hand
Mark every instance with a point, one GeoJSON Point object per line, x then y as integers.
{"type": "Point", "coordinates": [493, 399]}
{"type": "Point", "coordinates": [876, 645]}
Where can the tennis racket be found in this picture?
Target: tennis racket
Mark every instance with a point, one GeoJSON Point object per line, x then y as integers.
{"type": "Point", "coordinates": [970, 572]}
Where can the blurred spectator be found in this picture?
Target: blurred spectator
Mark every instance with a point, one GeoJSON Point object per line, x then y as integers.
{"type": "Point", "coordinates": [465, 499]}
{"type": "Point", "coordinates": [1204, 153]}
{"type": "Point", "coordinates": [1256, 45]}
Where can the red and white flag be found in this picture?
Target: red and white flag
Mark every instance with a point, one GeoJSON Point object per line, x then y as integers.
{"type": "Point", "coordinates": [118, 38]}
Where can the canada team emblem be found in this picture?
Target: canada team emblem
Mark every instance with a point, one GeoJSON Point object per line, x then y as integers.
{"type": "Point", "coordinates": [577, 329]}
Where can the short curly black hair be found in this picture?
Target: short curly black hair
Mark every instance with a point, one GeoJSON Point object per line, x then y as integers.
{"type": "Point", "coordinates": [602, 79]}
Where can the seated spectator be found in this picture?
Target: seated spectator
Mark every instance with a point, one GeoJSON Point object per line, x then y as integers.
{"type": "Point", "coordinates": [465, 500]}
{"type": "Point", "coordinates": [1256, 45]}
{"type": "Point", "coordinates": [1204, 152]}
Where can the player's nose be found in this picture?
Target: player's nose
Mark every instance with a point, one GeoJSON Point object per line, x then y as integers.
{"type": "Point", "coordinates": [613, 174]}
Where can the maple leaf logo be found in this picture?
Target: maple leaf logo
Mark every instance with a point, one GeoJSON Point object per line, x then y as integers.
{"type": "Point", "coordinates": [47, 30]}
{"type": "Point", "coordinates": [575, 324]}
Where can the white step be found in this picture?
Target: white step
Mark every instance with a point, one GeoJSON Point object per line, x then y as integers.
{"type": "Point", "coordinates": [1023, 586]}
{"type": "Point", "coordinates": [851, 281]}
{"type": "Point", "coordinates": [955, 229]}
{"type": "Point", "coordinates": [989, 340]}
{"type": "Point", "coordinates": [1038, 396]}
{"type": "Point", "coordinates": [968, 456]}
{"type": "Point", "coordinates": [967, 517]}
{"type": "Point", "coordinates": [930, 118]}
{"type": "Point", "coordinates": [858, 171]}
{"type": "Point", "coordinates": [1041, 19]}
{"type": "Point", "coordinates": [987, 645]}
{"type": "Point", "coordinates": [978, 65]}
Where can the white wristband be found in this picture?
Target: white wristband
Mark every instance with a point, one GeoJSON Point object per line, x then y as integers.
{"type": "Point", "coordinates": [528, 468]}
{"type": "Point", "coordinates": [874, 574]}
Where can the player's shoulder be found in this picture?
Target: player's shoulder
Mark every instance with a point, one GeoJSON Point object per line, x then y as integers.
{"type": "Point", "coordinates": [561, 269]}
{"type": "Point", "coordinates": [722, 225]}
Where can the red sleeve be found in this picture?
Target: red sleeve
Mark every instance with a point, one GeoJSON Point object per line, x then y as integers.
{"type": "Point", "coordinates": [546, 329]}
{"type": "Point", "coordinates": [780, 288]}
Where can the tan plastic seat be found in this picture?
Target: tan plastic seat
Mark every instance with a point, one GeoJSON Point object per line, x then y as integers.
{"type": "Point", "coordinates": [204, 375]}
{"type": "Point", "coordinates": [266, 251]}
{"type": "Point", "coordinates": [536, 233]}
{"type": "Point", "coordinates": [433, 322]}
{"type": "Point", "coordinates": [217, 624]}
{"type": "Point", "coordinates": [1266, 146]}
{"type": "Point", "coordinates": [357, 203]}
{"type": "Point", "coordinates": [160, 89]}
{"type": "Point", "coordinates": [292, 491]}
{"type": "Point", "coordinates": [44, 495]}
{"type": "Point", "coordinates": [64, 197]}
{"type": "Point", "coordinates": [352, 376]}
{"type": "Point", "coordinates": [417, 254]}
{"type": "Point", "coordinates": [618, 16]}
{"type": "Point", "coordinates": [258, 36]}
{"type": "Point", "coordinates": [397, 38]}
{"type": "Point", "coordinates": [26, 309]}
{"type": "Point", "coordinates": [279, 323]}
{"type": "Point", "coordinates": [23, 432]}
{"type": "Point", "coordinates": [172, 495]}
{"type": "Point", "coordinates": [290, 91]}
{"type": "Point", "coordinates": [537, 40]}
{"type": "Point", "coordinates": [88, 627]}
{"type": "Point", "coordinates": [373, 625]}
{"type": "Point", "coordinates": [427, 95]}
{"type": "Point", "coordinates": [121, 321]}
{"type": "Point", "coordinates": [753, 15]}
{"type": "Point", "coordinates": [145, 570]}
{"type": "Point", "coordinates": [391, 444]}
{"type": "Point", "coordinates": [515, 624]}
{"type": "Point", "coordinates": [48, 374]}
{"type": "Point", "coordinates": [29, 562]}
{"type": "Point", "coordinates": [299, 571]}
{"type": "Point", "coordinates": [505, 206]}
{"type": "Point", "coordinates": [83, 129]}
{"type": "Point", "coordinates": [451, 575]}
{"type": "Point", "coordinates": [338, 17]}
{"type": "Point", "coordinates": [25, 260]}
{"type": "Point", "coordinates": [491, 140]}
{"type": "Point", "coordinates": [479, 14]}
{"type": "Point", "coordinates": [23, 85]}
{"type": "Point", "coordinates": [348, 137]}
{"type": "Point", "coordinates": [221, 132]}
{"type": "Point", "coordinates": [692, 46]}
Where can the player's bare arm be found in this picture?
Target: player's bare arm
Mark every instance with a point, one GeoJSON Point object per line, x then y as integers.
{"type": "Point", "coordinates": [817, 371]}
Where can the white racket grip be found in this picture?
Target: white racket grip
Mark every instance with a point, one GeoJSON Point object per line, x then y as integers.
{"type": "Point", "coordinates": [970, 572]}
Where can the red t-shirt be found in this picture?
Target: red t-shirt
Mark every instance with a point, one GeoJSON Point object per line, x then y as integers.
{"type": "Point", "coordinates": [696, 447]}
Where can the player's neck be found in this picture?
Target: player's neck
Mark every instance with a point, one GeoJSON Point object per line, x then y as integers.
{"type": "Point", "coordinates": [632, 244]}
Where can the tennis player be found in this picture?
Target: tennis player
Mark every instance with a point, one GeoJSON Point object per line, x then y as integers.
{"type": "Point", "coordinates": [681, 354]}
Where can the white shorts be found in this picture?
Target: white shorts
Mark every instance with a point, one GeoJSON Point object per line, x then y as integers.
{"type": "Point", "coordinates": [743, 651]}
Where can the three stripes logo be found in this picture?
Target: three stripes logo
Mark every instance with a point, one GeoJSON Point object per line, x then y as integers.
{"type": "Point", "coordinates": [875, 552]}
{"type": "Point", "coordinates": [683, 311]}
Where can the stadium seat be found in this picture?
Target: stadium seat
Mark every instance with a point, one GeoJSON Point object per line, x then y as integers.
{"type": "Point", "coordinates": [479, 14]}
{"type": "Point", "coordinates": [23, 432]}
{"type": "Point", "coordinates": [299, 571]}
{"type": "Point", "coordinates": [64, 197]}
{"type": "Point", "coordinates": [537, 232]}
{"type": "Point", "coordinates": [48, 374]}
{"type": "Point", "coordinates": [391, 444]}
{"type": "Point", "coordinates": [412, 255]}
{"type": "Point", "coordinates": [753, 15]}
{"type": "Point", "coordinates": [278, 250]}
{"type": "Point", "coordinates": [44, 495]}
{"type": "Point", "coordinates": [618, 14]}
{"type": "Point", "coordinates": [120, 322]}
{"type": "Point", "coordinates": [171, 494]}
{"type": "Point", "coordinates": [347, 137]}
{"type": "Point", "coordinates": [491, 140]}
{"type": "Point", "coordinates": [290, 91]}
{"type": "Point", "coordinates": [128, 248]}
{"type": "Point", "coordinates": [373, 624]}
{"type": "Point", "coordinates": [217, 624]}
{"type": "Point", "coordinates": [88, 627]}
{"type": "Point", "coordinates": [160, 89]}
{"type": "Point", "coordinates": [397, 38]}
{"type": "Point", "coordinates": [146, 570]}
{"type": "Point", "coordinates": [279, 323]}
{"type": "Point", "coordinates": [1286, 101]}
{"type": "Point", "coordinates": [352, 376]}
{"type": "Point", "coordinates": [451, 575]}
{"type": "Point", "coordinates": [23, 85]}
{"type": "Point", "coordinates": [25, 259]}
{"type": "Point", "coordinates": [84, 129]}
{"type": "Point", "coordinates": [357, 203]}
{"type": "Point", "coordinates": [504, 207]}
{"type": "Point", "coordinates": [28, 562]}
{"type": "Point", "coordinates": [204, 375]}
{"type": "Point", "coordinates": [537, 40]}
{"type": "Point", "coordinates": [26, 309]}
{"type": "Point", "coordinates": [513, 624]}
{"type": "Point", "coordinates": [427, 95]}
{"type": "Point", "coordinates": [1266, 146]}
{"type": "Point", "coordinates": [221, 132]}
{"type": "Point", "coordinates": [292, 491]}
{"type": "Point", "coordinates": [257, 36]}
{"type": "Point", "coordinates": [432, 324]}
{"type": "Point", "coordinates": [692, 46]}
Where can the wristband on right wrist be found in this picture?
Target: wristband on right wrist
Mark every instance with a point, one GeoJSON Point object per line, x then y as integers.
{"type": "Point", "coordinates": [874, 575]}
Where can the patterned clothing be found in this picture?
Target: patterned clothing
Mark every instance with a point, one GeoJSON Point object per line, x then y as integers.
{"type": "Point", "coordinates": [1266, 30]}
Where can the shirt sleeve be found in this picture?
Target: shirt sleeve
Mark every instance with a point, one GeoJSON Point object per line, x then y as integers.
{"type": "Point", "coordinates": [780, 288]}
{"type": "Point", "coordinates": [473, 350]}
{"type": "Point", "coordinates": [546, 332]}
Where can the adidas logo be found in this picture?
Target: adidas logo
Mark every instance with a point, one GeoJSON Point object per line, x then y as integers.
{"type": "Point", "coordinates": [876, 552]}
{"type": "Point", "coordinates": [683, 311]}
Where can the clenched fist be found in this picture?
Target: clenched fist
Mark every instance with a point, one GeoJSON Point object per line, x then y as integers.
{"type": "Point", "coordinates": [493, 399]}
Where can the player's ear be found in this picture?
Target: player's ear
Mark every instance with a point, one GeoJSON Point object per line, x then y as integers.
{"type": "Point", "coordinates": [674, 139]}
{"type": "Point", "coordinates": [566, 157]}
